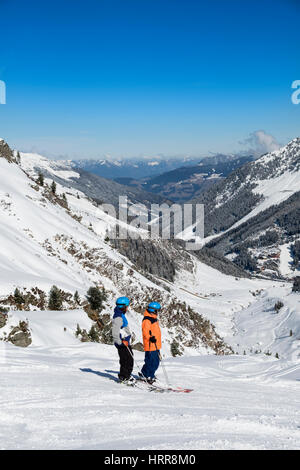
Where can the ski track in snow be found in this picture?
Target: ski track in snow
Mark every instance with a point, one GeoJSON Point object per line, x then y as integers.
{"type": "Point", "coordinates": [68, 398]}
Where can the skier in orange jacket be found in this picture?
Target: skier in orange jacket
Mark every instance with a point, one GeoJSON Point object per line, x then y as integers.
{"type": "Point", "coordinates": [152, 341]}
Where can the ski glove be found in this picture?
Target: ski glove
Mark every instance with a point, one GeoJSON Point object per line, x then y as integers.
{"type": "Point", "coordinates": [152, 339]}
{"type": "Point", "coordinates": [125, 342]}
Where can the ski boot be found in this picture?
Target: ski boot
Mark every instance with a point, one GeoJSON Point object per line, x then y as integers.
{"type": "Point", "coordinates": [130, 381]}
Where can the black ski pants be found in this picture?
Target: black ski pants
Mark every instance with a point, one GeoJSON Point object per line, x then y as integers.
{"type": "Point", "coordinates": [126, 362]}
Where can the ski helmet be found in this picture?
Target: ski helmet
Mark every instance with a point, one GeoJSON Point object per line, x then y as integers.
{"type": "Point", "coordinates": [123, 302]}
{"type": "Point", "coordinates": [153, 307]}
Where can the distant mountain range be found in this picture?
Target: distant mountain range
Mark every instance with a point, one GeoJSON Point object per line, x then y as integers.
{"type": "Point", "coordinates": [186, 182]}
{"type": "Point", "coordinates": [133, 168]}
{"type": "Point", "coordinates": [96, 178]}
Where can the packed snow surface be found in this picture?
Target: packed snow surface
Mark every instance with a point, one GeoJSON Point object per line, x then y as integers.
{"type": "Point", "coordinates": [68, 397]}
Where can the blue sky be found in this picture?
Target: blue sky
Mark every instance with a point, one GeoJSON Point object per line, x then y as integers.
{"type": "Point", "coordinates": [145, 77]}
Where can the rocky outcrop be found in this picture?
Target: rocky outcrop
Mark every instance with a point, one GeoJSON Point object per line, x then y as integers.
{"type": "Point", "coordinates": [20, 335]}
{"type": "Point", "coordinates": [138, 347]}
{"type": "Point", "coordinates": [7, 153]}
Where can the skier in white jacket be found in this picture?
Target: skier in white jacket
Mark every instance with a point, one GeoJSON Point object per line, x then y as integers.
{"type": "Point", "coordinates": [122, 337]}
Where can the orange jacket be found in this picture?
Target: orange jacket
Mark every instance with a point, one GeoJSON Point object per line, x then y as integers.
{"type": "Point", "coordinates": [150, 327]}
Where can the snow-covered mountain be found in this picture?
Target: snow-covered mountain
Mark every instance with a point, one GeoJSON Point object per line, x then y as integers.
{"type": "Point", "coordinates": [255, 211]}
{"type": "Point", "coordinates": [253, 188]}
{"type": "Point", "coordinates": [242, 400]}
{"type": "Point", "coordinates": [94, 186]}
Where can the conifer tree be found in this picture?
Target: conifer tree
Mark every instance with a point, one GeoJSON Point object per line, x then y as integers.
{"type": "Point", "coordinates": [53, 187]}
{"type": "Point", "coordinates": [77, 298]}
{"type": "Point", "coordinates": [40, 181]}
{"type": "Point", "coordinates": [55, 299]}
{"type": "Point", "coordinates": [18, 297]}
{"type": "Point", "coordinates": [94, 335]}
{"type": "Point", "coordinates": [96, 297]}
{"type": "Point", "coordinates": [296, 284]}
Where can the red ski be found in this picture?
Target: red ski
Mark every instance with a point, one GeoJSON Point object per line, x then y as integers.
{"type": "Point", "coordinates": [160, 389]}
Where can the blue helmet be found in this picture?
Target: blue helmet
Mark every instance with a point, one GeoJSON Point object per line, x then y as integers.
{"type": "Point", "coordinates": [153, 307]}
{"type": "Point", "coordinates": [123, 302]}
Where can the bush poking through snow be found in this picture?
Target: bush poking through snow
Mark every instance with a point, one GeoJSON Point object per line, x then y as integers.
{"type": "Point", "coordinates": [19, 299]}
{"type": "Point", "coordinates": [175, 348]}
{"type": "Point", "coordinates": [94, 334]}
{"type": "Point", "coordinates": [278, 306]}
{"type": "Point", "coordinates": [4, 310]}
{"type": "Point", "coordinates": [3, 319]}
{"type": "Point", "coordinates": [77, 298]}
{"type": "Point", "coordinates": [296, 284]}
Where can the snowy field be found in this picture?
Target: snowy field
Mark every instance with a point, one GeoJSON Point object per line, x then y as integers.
{"type": "Point", "coordinates": [67, 397]}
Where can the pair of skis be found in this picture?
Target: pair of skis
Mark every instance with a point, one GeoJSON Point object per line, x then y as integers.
{"type": "Point", "coordinates": [157, 388]}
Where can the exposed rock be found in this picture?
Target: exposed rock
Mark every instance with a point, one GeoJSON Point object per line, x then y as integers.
{"type": "Point", "coordinates": [138, 347]}
{"type": "Point", "coordinates": [20, 335]}
{"type": "Point", "coordinates": [7, 153]}
{"type": "Point", "coordinates": [3, 319]}
{"type": "Point", "coordinates": [85, 337]}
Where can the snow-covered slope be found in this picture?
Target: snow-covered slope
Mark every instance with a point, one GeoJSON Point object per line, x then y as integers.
{"type": "Point", "coordinates": [253, 217]}
{"type": "Point", "coordinates": [95, 186]}
{"type": "Point", "coordinates": [67, 397]}
{"type": "Point", "coordinates": [253, 188]}
{"type": "Point", "coordinates": [46, 242]}
{"type": "Point", "coordinates": [238, 402]}
{"type": "Point", "coordinates": [31, 162]}
{"type": "Point", "coordinates": [43, 243]}
{"type": "Point", "coordinates": [262, 327]}
{"type": "Point", "coordinates": [276, 177]}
